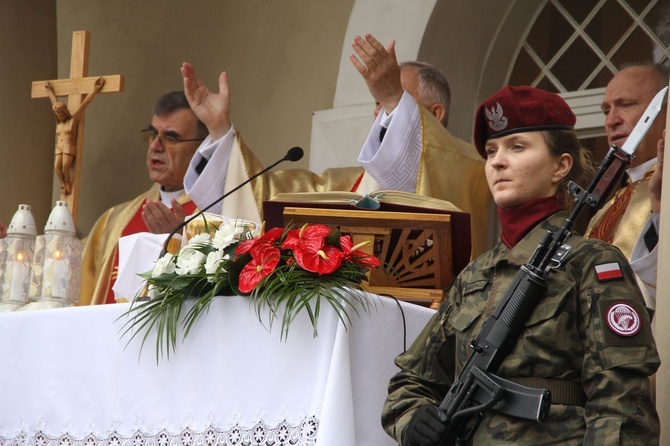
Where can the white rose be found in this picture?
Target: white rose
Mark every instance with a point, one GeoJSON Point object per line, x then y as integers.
{"type": "Point", "coordinates": [213, 260]}
{"type": "Point", "coordinates": [189, 261]}
{"type": "Point", "coordinates": [199, 239]}
{"type": "Point", "coordinates": [227, 234]}
{"type": "Point", "coordinates": [164, 265]}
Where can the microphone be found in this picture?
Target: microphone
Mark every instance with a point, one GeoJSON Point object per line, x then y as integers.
{"type": "Point", "coordinates": [293, 154]}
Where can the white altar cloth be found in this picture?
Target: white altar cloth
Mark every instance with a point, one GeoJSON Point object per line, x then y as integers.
{"type": "Point", "coordinates": [68, 379]}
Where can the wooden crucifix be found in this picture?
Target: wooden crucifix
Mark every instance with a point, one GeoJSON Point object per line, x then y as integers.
{"type": "Point", "coordinates": [80, 91]}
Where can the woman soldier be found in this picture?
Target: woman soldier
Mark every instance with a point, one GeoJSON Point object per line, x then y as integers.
{"type": "Point", "coordinates": [589, 338]}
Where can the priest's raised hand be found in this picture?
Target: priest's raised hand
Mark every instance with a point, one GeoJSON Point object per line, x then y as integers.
{"type": "Point", "coordinates": [379, 68]}
{"type": "Point", "coordinates": [213, 109]}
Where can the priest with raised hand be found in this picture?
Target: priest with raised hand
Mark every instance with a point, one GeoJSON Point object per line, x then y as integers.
{"type": "Point", "coordinates": [411, 154]}
{"type": "Point", "coordinates": [410, 130]}
{"type": "Point", "coordinates": [172, 137]}
{"type": "Point", "coordinates": [223, 161]}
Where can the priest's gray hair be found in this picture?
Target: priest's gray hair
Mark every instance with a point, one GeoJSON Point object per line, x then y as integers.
{"type": "Point", "coordinates": [433, 86]}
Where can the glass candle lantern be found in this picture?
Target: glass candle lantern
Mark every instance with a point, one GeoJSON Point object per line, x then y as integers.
{"type": "Point", "coordinates": [57, 265]}
{"type": "Point", "coordinates": [18, 254]}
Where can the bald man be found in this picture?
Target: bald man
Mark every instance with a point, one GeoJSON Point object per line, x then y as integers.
{"type": "Point", "coordinates": [627, 218]}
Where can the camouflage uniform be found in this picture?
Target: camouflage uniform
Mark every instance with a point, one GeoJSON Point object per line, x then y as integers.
{"type": "Point", "coordinates": [566, 338]}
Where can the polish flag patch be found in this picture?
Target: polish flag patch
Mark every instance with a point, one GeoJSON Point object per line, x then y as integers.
{"type": "Point", "coordinates": [623, 320]}
{"type": "Point", "coordinates": [608, 271]}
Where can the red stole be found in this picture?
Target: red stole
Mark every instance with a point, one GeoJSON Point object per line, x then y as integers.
{"type": "Point", "coordinates": [604, 229]}
{"type": "Point", "coordinates": [134, 226]}
{"type": "Point", "coordinates": [517, 222]}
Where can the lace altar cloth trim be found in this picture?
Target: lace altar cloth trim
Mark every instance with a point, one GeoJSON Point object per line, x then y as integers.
{"type": "Point", "coordinates": [284, 434]}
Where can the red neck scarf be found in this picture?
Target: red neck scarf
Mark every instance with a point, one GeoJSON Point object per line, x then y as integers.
{"type": "Point", "coordinates": [516, 222]}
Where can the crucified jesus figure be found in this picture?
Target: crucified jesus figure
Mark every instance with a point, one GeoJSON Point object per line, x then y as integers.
{"type": "Point", "coordinates": [66, 134]}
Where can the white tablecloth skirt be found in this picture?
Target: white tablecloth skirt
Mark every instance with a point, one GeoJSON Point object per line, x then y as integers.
{"type": "Point", "coordinates": [67, 378]}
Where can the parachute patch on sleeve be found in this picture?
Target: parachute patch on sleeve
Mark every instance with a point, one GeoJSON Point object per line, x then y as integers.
{"type": "Point", "coordinates": [623, 320]}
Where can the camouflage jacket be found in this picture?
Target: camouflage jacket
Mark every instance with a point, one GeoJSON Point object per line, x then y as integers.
{"type": "Point", "coordinates": [567, 338]}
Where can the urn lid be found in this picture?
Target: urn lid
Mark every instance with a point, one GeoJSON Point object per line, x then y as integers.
{"type": "Point", "coordinates": [23, 222]}
{"type": "Point", "coordinates": [60, 220]}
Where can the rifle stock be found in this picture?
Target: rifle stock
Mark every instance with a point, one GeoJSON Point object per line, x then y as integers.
{"type": "Point", "coordinates": [476, 389]}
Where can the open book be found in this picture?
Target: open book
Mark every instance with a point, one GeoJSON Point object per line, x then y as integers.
{"type": "Point", "coordinates": [367, 201]}
{"type": "Point", "coordinates": [388, 200]}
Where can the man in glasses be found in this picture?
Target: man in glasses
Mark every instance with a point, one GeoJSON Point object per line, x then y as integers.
{"type": "Point", "coordinates": [172, 137]}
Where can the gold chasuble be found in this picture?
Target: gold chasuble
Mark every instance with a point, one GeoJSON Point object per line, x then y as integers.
{"type": "Point", "coordinates": [297, 180]}
{"type": "Point", "coordinates": [450, 170]}
{"type": "Point", "coordinates": [622, 218]}
{"type": "Point", "coordinates": [247, 202]}
{"type": "Point", "coordinates": [100, 252]}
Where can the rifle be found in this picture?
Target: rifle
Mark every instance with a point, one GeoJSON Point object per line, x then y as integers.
{"type": "Point", "coordinates": [477, 388]}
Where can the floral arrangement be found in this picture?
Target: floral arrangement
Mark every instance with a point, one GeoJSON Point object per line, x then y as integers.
{"type": "Point", "coordinates": [285, 269]}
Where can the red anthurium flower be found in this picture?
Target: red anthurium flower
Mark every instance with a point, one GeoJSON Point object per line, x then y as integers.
{"type": "Point", "coordinates": [353, 254]}
{"type": "Point", "coordinates": [264, 260]}
{"type": "Point", "coordinates": [313, 236]}
{"type": "Point", "coordinates": [324, 260]}
{"type": "Point", "coordinates": [244, 246]}
{"type": "Point", "coordinates": [272, 235]}
{"type": "Point", "coordinates": [266, 239]}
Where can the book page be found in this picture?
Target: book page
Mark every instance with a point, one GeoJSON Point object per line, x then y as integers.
{"type": "Point", "coordinates": [384, 196]}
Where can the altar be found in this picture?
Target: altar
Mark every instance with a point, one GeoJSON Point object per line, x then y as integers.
{"type": "Point", "coordinates": [68, 378]}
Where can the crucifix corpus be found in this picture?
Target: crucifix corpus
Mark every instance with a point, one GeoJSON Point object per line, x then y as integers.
{"type": "Point", "coordinates": [80, 91]}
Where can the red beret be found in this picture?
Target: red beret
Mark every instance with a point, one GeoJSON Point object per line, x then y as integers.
{"type": "Point", "coordinates": [520, 109]}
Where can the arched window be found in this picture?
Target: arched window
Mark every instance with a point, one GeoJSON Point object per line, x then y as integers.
{"type": "Point", "coordinates": [574, 47]}
{"type": "Point", "coordinates": [577, 45]}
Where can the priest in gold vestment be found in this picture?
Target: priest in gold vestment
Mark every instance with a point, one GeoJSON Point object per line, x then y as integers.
{"type": "Point", "coordinates": [625, 220]}
{"type": "Point", "coordinates": [100, 258]}
{"type": "Point", "coordinates": [173, 136]}
{"type": "Point", "coordinates": [407, 149]}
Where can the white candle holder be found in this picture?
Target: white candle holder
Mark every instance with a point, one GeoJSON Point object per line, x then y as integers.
{"type": "Point", "coordinates": [18, 253]}
{"type": "Point", "coordinates": [56, 276]}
